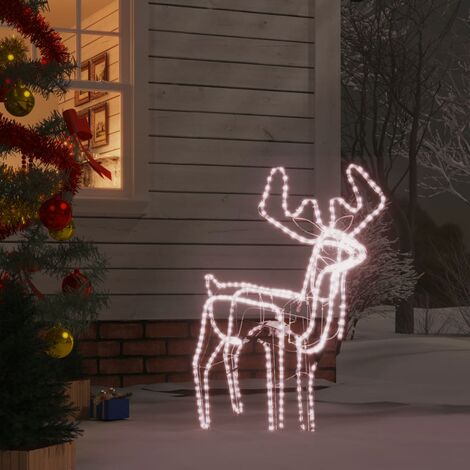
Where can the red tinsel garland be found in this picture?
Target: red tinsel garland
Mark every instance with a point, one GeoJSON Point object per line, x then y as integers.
{"type": "Point", "coordinates": [46, 150]}
{"type": "Point", "coordinates": [34, 26]}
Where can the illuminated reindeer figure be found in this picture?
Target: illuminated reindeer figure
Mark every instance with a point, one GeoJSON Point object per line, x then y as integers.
{"type": "Point", "coordinates": [334, 253]}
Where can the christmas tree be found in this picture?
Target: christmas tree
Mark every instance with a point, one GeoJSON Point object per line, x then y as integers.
{"type": "Point", "coordinates": [37, 242]}
{"type": "Point", "coordinates": [33, 406]}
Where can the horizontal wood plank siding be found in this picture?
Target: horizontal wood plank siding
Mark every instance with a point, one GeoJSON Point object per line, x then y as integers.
{"type": "Point", "coordinates": [135, 231]}
{"type": "Point", "coordinates": [302, 8]}
{"type": "Point", "coordinates": [231, 75]}
{"type": "Point", "coordinates": [235, 152]}
{"type": "Point", "coordinates": [230, 101]}
{"type": "Point", "coordinates": [227, 23]}
{"type": "Point", "coordinates": [231, 94]}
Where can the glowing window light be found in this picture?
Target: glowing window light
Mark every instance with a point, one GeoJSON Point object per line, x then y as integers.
{"type": "Point", "coordinates": [349, 253]}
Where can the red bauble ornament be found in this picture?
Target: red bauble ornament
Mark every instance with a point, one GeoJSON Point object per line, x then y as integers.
{"type": "Point", "coordinates": [77, 282]}
{"type": "Point", "coordinates": [55, 213]}
{"type": "Point", "coordinates": [4, 280]}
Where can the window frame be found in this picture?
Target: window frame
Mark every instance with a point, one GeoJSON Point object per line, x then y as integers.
{"type": "Point", "coordinates": [132, 197]}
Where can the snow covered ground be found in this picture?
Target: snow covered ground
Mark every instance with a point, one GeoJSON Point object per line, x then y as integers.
{"type": "Point", "coordinates": [401, 403]}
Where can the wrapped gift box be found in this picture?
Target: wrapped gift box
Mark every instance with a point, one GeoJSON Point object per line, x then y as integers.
{"type": "Point", "coordinates": [111, 410]}
{"type": "Point", "coordinates": [109, 405]}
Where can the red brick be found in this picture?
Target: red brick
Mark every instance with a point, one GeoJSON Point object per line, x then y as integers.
{"type": "Point", "coordinates": [168, 364]}
{"type": "Point", "coordinates": [106, 380]}
{"type": "Point", "coordinates": [259, 348]}
{"type": "Point", "coordinates": [331, 345]}
{"type": "Point", "coordinates": [121, 366]}
{"type": "Point", "coordinates": [195, 328]}
{"type": "Point", "coordinates": [90, 366]}
{"type": "Point", "coordinates": [144, 348]}
{"type": "Point", "coordinates": [167, 329]}
{"type": "Point", "coordinates": [90, 333]}
{"type": "Point", "coordinates": [180, 377]}
{"type": "Point", "coordinates": [217, 375]}
{"type": "Point", "coordinates": [181, 347]}
{"type": "Point", "coordinates": [328, 359]}
{"type": "Point", "coordinates": [112, 330]}
{"type": "Point", "coordinates": [249, 347]}
{"type": "Point", "coordinates": [246, 327]}
{"type": "Point", "coordinates": [327, 374]}
{"type": "Point", "coordinates": [141, 379]}
{"type": "Point", "coordinates": [99, 348]}
{"type": "Point", "coordinates": [218, 368]}
{"type": "Point", "coordinates": [260, 374]}
{"type": "Point", "coordinates": [258, 362]}
{"type": "Point", "coordinates": [252, 362]}
{"type": "Point", "coordinates": [290, 361]}
{"type": "Point", "coordinates": [289, 372]}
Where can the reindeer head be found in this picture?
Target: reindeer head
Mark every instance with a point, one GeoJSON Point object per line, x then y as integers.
{"type": "Point", "coordinates": [356, 210]}
{"type": "Point", "coordinates": [335, 250]}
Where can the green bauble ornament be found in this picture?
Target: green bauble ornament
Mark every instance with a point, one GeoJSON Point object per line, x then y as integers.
{"type": "Point", "coordinates": [19, 101]}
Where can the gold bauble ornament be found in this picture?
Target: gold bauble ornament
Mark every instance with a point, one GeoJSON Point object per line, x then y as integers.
{"type": "Point", "coordinates": [19, 101]}
{"type": "Point", "coordinates": [59, 342]}
{"type": "Point", "coordinates": [10, 57]}
{"type": "Point", "coordinates": [65, 234]}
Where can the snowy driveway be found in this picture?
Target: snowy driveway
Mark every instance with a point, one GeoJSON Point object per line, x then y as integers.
{"type": "Point", "coordinates": [401, 403]}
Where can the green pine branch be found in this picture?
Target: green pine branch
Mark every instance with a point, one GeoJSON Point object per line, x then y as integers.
{"type": "Point", "coordinates": [36, 251]}
{"type": "Point", "coordinates": [45, 80]}
{"type": "Point", "coordinates": [12, 49]}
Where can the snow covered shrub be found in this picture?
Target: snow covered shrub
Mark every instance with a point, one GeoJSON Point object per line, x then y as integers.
{"type": "Point", "coordinates": [386, 278]}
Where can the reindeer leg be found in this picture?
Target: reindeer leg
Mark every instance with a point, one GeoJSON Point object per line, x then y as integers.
{"type": "Point", "coordinates": [197, 358]}
{"type": "Point", "coordinates": [311, 397]}
{"type": "Point", "coordinates": [236, 383]}
{"type": "Point", "coordinates": [231, 368]}
{"type": "Point", "coordinates": [269, 385]}
{"type": "Point", "coordinates": [281, 342]}
{"type": "Point", "coordinates": [207, 369]}
{"type": "Point", "coordinates": [231, 371]}
{"type": "Point", "coordinates": [299, 387]}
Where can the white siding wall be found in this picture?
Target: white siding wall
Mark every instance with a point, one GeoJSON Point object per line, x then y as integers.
{"type": "Point", "coordinates": [232, 93]}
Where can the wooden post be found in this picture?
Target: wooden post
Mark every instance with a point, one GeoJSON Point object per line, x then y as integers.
{"type": "Point", "coordinates": [327, 132]}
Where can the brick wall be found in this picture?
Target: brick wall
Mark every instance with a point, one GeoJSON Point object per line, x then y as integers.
{"type": "Point", "coordinates": [121, 354]}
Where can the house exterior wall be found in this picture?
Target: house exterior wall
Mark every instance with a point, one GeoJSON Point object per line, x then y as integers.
{"type": "Point", "coordinates": [122, 354]}
{"type": "Point", "coordinates": [235, 88]}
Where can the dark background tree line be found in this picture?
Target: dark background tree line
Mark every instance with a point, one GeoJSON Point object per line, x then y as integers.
{"type": "Point", "coordinates": [402, 67]}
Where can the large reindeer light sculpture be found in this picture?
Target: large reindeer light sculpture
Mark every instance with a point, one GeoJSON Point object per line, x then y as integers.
{"type": "Point", "coordinates": [323, 293]}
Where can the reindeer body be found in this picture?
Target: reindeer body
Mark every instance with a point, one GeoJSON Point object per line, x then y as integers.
{"type": "Point", "coordinates": [334, 253]}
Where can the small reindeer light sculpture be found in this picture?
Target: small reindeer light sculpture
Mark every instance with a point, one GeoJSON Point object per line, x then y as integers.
{"type": "Point", "coordinates": [334, 253]}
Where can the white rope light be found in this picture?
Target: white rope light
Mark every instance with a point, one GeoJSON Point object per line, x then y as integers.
{"type": "Point", "coordinates": [347, 254]}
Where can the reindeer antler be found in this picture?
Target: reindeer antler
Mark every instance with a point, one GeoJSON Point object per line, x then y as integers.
{"type": "Point", "coordinates": [293, 215]}
{"type": "Point", "coordinates": [354, 209]}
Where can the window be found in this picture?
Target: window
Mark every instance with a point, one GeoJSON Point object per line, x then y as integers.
{"type": "Point", "coordinates": [91, 31]}
{"type": "Point", "coordinates": [101, 36]}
